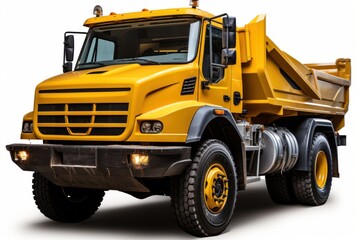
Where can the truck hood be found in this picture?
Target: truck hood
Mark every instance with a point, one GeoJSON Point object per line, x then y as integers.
{"type": "Point", "coordinates": [109, 76]}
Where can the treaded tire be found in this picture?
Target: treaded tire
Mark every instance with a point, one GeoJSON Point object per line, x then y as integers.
{"type": "Point", "coordinates": [280, 188]}
{"type": "Point", "coordinates": [189, 201]}
{"type": "Point", "coordinates": [65, 204]}
{"type": "Point", "coordinates": [306, 186]}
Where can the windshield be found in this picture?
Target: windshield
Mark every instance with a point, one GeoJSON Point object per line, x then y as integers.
{"type": "Point", "coordinates": [150, 42]}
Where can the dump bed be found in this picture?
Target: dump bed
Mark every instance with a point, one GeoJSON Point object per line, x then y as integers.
{"type": "Point", "coordinates": [276, 84]}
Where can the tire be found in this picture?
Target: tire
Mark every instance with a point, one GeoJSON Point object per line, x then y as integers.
{"type": "Point", "coordinates": [280, 188]}
{"type": "Point", "coordinates": [65, 204]}
{"type": "Point", "coordinates": [203, 197]}
{"type": "Point", "coordinates": [313, 187]}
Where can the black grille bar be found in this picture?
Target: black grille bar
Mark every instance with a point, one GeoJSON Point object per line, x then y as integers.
{"type": "Point", "coordinates": [80, 107]}
{"type": "Point", "coordinates": [51, 107]}
{"type": "Point", "coordinates": [51, 119]}
{"type": "Point", "coordinates": [86, 90]}
{"type": "Point", "coordinates": [112, 107]}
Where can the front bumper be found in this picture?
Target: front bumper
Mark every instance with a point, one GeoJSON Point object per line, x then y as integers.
{"type": "Point", "coordinates": [101, 166]}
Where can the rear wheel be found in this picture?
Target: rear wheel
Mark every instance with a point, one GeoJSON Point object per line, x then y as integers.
{"type": "Point", "coordinates": [65, 204]}
{"type": "Point", "coordinates": [203, 198]}
{"type": "Point", "coordinates": [280, 188]}
{"type": "Point", "coordinates": [313, 187]}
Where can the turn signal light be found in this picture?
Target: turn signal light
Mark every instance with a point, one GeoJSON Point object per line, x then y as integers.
{"type": "Point", "coordinates": [219, 111]}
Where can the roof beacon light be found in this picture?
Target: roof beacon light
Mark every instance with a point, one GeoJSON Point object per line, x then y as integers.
{"type": "Point", "coordinates": [194, 3]}
{"type": "Point", "coordinates": [98, 11]}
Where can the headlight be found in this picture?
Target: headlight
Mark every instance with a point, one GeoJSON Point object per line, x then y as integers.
{"type": "Point", "coordinates": [151, 127]}
{"type": "Point", "coordinates": [157, 127]}
{"type": "Point", "coordinates": [145, 127]}
{"type": "Point", "coordinates": [27, 127]}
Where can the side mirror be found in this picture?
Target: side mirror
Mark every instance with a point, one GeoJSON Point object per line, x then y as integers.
{"type": "Point", "coordinates": [69, 48]}
{"type": "Point", "coordinates": [228, 54]}
{"type": "Point", "coordinates": [68, 52]}
{"type": "Point", "coordinates": [229, 32]}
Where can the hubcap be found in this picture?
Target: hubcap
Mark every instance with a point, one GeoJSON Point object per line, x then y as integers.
{"type": "Point", "coordinates": [216, 187]}
{"type": "Point", "coordinates": [321, 169]}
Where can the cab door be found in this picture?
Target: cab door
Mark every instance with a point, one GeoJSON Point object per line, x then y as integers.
{"type": "Point", "coordinates": [236, 82]}
{"type": "Point", "coordinates": [214, 89]}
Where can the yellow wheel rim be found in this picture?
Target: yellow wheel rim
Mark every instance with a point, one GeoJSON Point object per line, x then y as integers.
{"type": "Point", "coordinates": [321, 169]}
{"type": "Point", "coordinates": [216, 187]}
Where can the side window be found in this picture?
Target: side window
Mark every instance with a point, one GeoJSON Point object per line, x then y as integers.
{"type": "Point", "coordinates": [101, 50]}
{"type": "Point", "coordinates": [216, 53]}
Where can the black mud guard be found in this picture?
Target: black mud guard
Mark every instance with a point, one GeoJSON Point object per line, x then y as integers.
{"type": "Point", "coordinates": [304, 133]}
{"type": "Point", "coordinates": [203, 117]}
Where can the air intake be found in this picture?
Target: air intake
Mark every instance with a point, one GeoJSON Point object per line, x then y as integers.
{"type": "Point", "coordinates": [188, 87]}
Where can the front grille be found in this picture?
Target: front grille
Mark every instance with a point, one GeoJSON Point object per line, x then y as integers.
{"type": "Point", "coordinates": [88, 119]}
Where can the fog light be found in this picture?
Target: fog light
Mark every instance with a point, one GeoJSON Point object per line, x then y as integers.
{"type": "Point", "coordinates": [22, 155]}
{"type": "Point", "coordinates": [139, 160]}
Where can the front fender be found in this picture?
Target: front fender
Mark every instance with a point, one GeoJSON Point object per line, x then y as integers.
{"type": "Point", "coordinates": [201, 120]}
{"type": "Point", "coordinates": [176, 119]}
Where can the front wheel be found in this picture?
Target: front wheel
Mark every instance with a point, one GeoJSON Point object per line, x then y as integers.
{"type": "Point", "coordinates": [203, 198]}
{"type": "Point", "coordinates": [65, 204]}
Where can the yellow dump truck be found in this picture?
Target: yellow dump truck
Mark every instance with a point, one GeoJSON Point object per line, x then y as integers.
{"type": "Point", "coordinates": [183, 103]}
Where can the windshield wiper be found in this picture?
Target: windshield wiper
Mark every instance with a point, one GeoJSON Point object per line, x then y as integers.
{"type": "Point", "coordinates": [139, 60]}
{"type": "Point", "coordinates": [91, 65]}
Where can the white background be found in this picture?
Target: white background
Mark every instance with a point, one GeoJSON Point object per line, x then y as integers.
{"type": "Point", "coordinates": [31, 50]}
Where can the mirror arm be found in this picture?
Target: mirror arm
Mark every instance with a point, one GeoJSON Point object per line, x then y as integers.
{"type": "Point", "coordinates": [67, 67]}
{"type": "Point", "coordinates": [210, 49]}
{"type": "Point", "coordinates": [205, 85]}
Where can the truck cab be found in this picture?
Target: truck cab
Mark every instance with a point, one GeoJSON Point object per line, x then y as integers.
{"type": "Point", "coordinates": [167, 54]}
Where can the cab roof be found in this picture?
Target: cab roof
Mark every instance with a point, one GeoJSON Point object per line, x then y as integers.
{"type": "Point", "coordinates": [146, 14]}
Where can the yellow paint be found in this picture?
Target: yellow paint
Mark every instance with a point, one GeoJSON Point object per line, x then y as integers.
{"type": "Point", "coordinates": [146, 15]}
{"type": "Point", "coordinates": [176, 119]}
